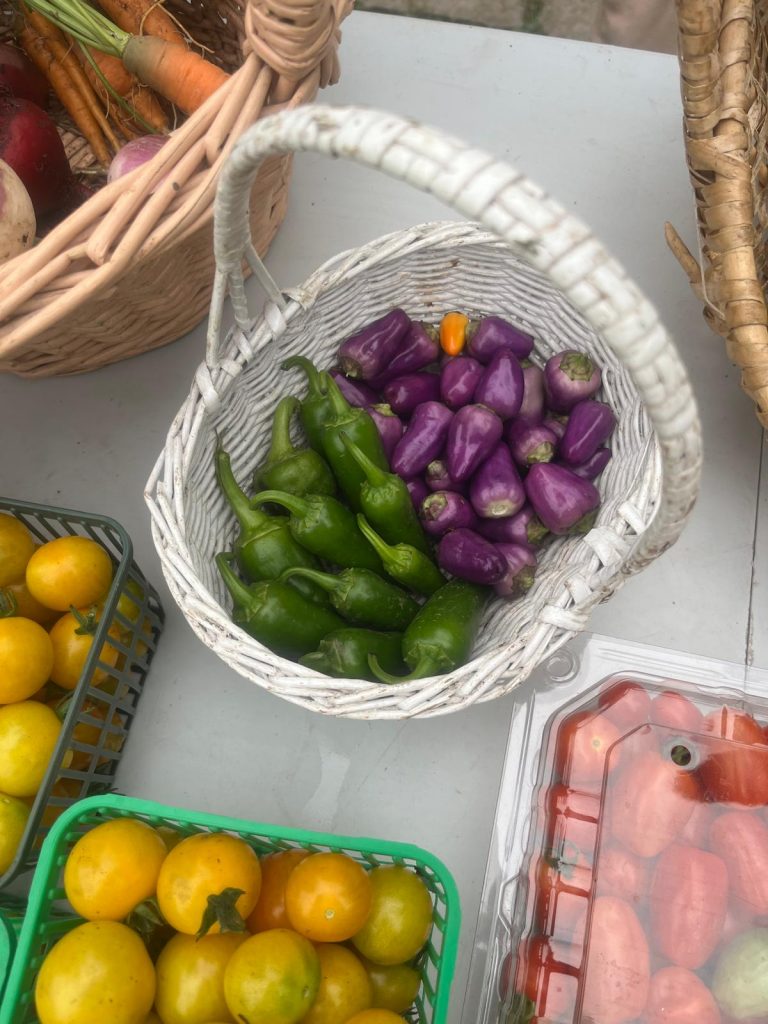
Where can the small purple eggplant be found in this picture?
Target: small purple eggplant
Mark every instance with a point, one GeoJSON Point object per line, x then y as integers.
{"type": "Point", "coordinates": [590, 424]}
{"type": "Point", "coordinates": [496, 489]}
{"type": "Point", "coordinates": [389, 426]}
{"type": "Point", "coordinates": [493, 333]}
{"type": "Point", "coordinates": [418, 491]}
{"type": "Point", "coordinates": [437, 477]}
{"type": "Point", "coordinates": [501, 386]}
{"type": "Point", "coordinates": [423, 440]}
{"type": "Point", "coordinates": [356, 392]}
{"type": "Point", "coordinates": [473, 434]}
{"type": "Point", "coordinates": [524, 528]}
{"type": "Point", "coordinates": [556, 423]}
{"type": "Point", "coordinates": [530, 442]}
{"type": "Point", "coordinates": [446, 510]}
{"type": "Point", "coordinates": [592, 467]}
{"type": "Point", "coordinates": [459, 377]}
{"type": "Point", "coordinates": [532, 406]}
{"type": "Point", "coordinates": [364, 355]}
{"type": "Point", "coordinates": [570, 377]}
{"type": "Point", "coordinates": [521, 570]}
{"type": "Point", "coordinates": [469, 556]}
{"type": "Point", "coordinates": [419, 348]}
{"type": "Point", "coordinates": [412, 389]}
{"type": "Point", "coordinates": [564, 502]}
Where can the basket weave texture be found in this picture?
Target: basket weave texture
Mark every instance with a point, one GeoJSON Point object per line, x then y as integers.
{"type": "Point", "coordinates": [132, 268]}
{"type": "Point", "coordinates": [538, 266]}
{"type": "Point", "coordinates": [723, 48]}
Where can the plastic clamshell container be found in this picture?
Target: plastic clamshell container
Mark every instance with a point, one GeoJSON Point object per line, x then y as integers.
{"type": "Point", "coordinates": [97, 714]}
{"type": "Point", "coordinates": [48, 915]}
{"type": "Point", "coordinates": [627, 880]}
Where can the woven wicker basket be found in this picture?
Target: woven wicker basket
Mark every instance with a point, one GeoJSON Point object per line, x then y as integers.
{"type": "Point", "coordinates": [132, 268]}
{"type": "Point", "coordinates": [544, 270]}
{"type": "Point", "coordinates": [723, 47]}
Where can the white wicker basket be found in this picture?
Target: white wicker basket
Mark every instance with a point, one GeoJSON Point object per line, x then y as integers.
{"type": "Point", "coordinates": [541, 268]}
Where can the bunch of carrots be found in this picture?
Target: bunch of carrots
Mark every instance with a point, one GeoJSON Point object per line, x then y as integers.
{"type": "Point", "coordinates": [113, 70]}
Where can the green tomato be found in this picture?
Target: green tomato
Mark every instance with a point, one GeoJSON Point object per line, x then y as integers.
{"type": "Point", "coordinates": [740, 983]}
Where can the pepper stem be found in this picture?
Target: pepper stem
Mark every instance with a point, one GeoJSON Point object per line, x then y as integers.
{"type": "Point", "coordinates": [282, 446]}
{"type": "Point", "coordinates": [315, 379]}
{"type": "Point", "coordinates": [236, 587]}
{"type": "Point", "coordinates": [298, 506]}
{"type": "Point", "coordinates": [248, 517]}
{"type": "Point", "coordinates": [374, 474]}
{"type": "Point", "coordinates": [426, 667]}
{"type": "Point", "coordinates": [385, 551]}
{"type": "Point", "coordinates": [339, 404]}
{"type": "Point", "coordinates": [316, 660]}
{"type": "Point", "coordinates": [326, 580]}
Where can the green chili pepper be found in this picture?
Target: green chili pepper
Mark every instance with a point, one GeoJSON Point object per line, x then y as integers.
{"type": "Point", "coordinates": [440, 637]}
{"type": "Point", "coordinates": [403, 562]}
{"type": "Point", "coordinates": [386, 502]}
{"type": "Point", "coordinates": [324, 526]}
{"type": "Point", "coordinates": [344, 653]}
{"type": "Point", "coordinates": [362, 431]}
{"type": "Point", "coordinates": [277, 615]}
{"type": "Point", "coordinates": [265, 546]}
{"type": "Point", "coordinates": [296, 470]}
{"type": "Point", "coordinates": [363, 597]}
{"type": "Point", "coordinates": [316, 407]}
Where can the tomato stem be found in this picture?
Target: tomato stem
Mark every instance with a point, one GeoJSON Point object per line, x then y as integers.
{"type": "Point", "coordinates": [222, 910]}
{"type": "Point", "coordinates": [8, 604]}
{"type": "Point", "coordinates": [86, 623]}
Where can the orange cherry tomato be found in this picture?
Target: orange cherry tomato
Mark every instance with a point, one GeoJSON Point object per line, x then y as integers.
{"type": "Point", "coordinates": [270, 911]}
{"type": "Point", "coordinates": [328, 897]}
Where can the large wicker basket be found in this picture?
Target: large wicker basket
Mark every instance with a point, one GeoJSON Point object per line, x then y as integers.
{"type": "Point", "coordinates": [132, 268]}
{"type": "Point", "coordinates": [528, 260]}
{"type": "Point", "coordinates": [723, 47]}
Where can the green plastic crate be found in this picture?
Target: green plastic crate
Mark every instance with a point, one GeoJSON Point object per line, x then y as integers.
{"type": "Point", "coordinates": [11, 918]}
{"type": "Point", "coordinates": [109, 709]}
{"type": "Point", "coordinates": [46, 899]}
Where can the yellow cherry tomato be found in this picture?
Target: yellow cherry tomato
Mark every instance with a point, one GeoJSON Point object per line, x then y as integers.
{"type": "Point", "coordinates": [344, 987]}
{"type": "Point", "coordinates": [400, 918]}
{"type": "Point", "coordinates": [190, 978]}
{"type": "Point", "coordinates": [152, 1019]}
{"type": "Point", "coordinates": [197, 871]}
{"type": "Point", "coordinates": [65, 790]}
{"type": "Point", "coordinates": [113, 868]}
{"type": "Point", "coordinates": [69, 571]}
{"type": "Point", "coordinates": [28, 735]}
{"type": "Point", "coordinates": [376, 1017]}
{"type": "Point", "coordinates": [15, 599]}
{"type": "Point", "coordinates": [270, 911]}
{"type": "Point", "coordinates": [14, 815]}
{"type": "Point", "coordinates": [16, 547]}
{"type": "Point", "coordinates": [26, 658]}
{"type": "Point", "coordinates": [170, 836]}
{"type": "Point", "coordinates": [328, 897]}
{"type": "Point", "coordinates": [394, 987]}
{"type": "Point", "coordinates": [91, 733]}
{"type": "Point", "coordinates": [273, 978]}
{"type": "Point", "coordinates": [72, 639]}
{"type": "Point", "coordinates": [99, 972]}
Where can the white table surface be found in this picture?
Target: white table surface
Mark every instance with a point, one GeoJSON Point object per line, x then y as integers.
{"type": "Point", "coordinates": [598, 127]}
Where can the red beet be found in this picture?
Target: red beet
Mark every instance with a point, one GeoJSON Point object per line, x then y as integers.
{"type": "Point", "coordinates": [30, 144]}
{"type": "Point", "coordinates": [20, 78]}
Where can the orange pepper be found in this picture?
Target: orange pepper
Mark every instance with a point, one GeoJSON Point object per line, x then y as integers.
{"type": "Point", "coordinates": [453, 333]}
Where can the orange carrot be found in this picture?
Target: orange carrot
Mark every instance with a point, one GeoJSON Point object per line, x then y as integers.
{"type": "Point", "coordinates": [143, 18]}
{"type": "Point", "coordinates": [182, 76]}
{"type": "Point", "coordinates": [141, 99]}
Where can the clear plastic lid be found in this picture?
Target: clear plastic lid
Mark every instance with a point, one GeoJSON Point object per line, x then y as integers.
{"type": "Point", "coordinates": [628, 874]}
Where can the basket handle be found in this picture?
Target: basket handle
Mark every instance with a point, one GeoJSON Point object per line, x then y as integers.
{"type": "Point", "coordinates": [497, 195]}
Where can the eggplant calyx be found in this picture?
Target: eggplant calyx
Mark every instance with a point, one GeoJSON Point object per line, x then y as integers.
{"type": "Point", "coordinates": [543, 452]}
{"type": "Point", "coordinates": [577, 366]}
{"type": "Point", "coordinates": [585, 524]}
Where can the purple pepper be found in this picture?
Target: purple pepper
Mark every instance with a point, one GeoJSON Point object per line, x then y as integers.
{"type": "Point", "coordinates": [530, 442]}
{"type": "Point", "coordinates": [589, 425]}
{"type": "Point", "coordinates": [570, 377]}
{"type": "Point", "coordinates": [564, 502]}
{"type": "Point", "coordinates": [445, 510]}
{"type": "Point", "coordinates": [521, 570]}
{"type": "Point", "coordinates": [469, 556]}
{"type": "Point", "coordinates": [419, 348]}
{"type": "Point", "coordinates": [501, 386]}
{"type": "Point", "coordinates": [524, 528]}
{"type": "Point", "coordinates": [355, 391]}
{"type": "Point", "coordinates": [491, 334]}
{"type": "Point", "coordinates": [437, 478]}
{"type": "Point", "coordinates": [412, 389]}
{"type": "Point", "coordinates": [423, 440]}
{"type": "Point", "coordinates": [389, 426]}
{"type": "Point", "coordinates": [556, 423]}
{"type": "Point", "coordinates": [418, 491]}
{"type": "Point", "coordinates": [496, 489]}
{"type": "Point", "coordinates": [459, 377]}
{"type": "Point", "coordinates": [592, 467]}
{"type": "Point", "coordinates": [532, 405]}
{"type": "Point", "coordinates": [473, 434]}
{"type": "Point", "coordinates": [364, 355]}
